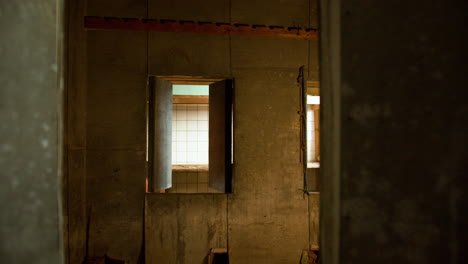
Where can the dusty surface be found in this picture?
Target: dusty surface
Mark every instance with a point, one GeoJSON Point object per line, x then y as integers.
{"type": "Point", "coordinates": [30, 133]}
{"type": "Point", "coordinates": [267, 215]}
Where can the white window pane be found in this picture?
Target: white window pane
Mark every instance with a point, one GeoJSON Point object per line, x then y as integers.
{"type": "Point", "coordinates": [192, 146]}
{"type": "Point", "coordinates": [192, 125]}
{"type": "Point", "coordinates": [181, 146]}
{"type": "Point", "coordinates": [203, 125]}
{"type": "Point", "coordinates": [202, 146]}
{"type": "Point", "coordinates": [192, 136]}
{"type": "Point", "coordinates": [202, 136]}
{"type": "Point", "coordinates": [181, 125]}
{"type": "Point", "coordinates": [311, 99]}
{"type": "Point", "coordinates": [181, 157]}
{"type": "Point", "coordinates": [181, 136]}
{"type": "Point", "coordinates": [203, 157]}
{"type": "Point", "coordinates": [192, 115]}
{"type": "Point", "coordinates": [192, 157]}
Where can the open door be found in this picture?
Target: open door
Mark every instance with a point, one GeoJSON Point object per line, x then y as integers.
{"type": "Point", "coordinates": [160, 134]}
{"type": "Point", "coordinates": [220, 135]}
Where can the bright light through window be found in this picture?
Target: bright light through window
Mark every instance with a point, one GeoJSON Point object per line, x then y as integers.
{"type": "Point", "coordinates": [311, 99]}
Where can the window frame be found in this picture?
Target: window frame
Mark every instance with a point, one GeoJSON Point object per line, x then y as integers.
{"type": "Point", "coordinates": [222, 181]}
{"type": "Point", "coordinates": [312, 174]}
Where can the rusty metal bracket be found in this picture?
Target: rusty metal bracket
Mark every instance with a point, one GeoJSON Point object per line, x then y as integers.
{"type": "Point", "coordinates": [162, 25]}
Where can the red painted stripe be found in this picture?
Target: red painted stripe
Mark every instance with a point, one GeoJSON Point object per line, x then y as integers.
{"type": "Point", "coordinates": [199, 27]}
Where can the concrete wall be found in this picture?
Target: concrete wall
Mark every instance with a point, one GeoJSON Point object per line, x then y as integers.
{"type": "Point", "coordinates": [267, 215]}
{"type": "Point", "coordinates": [75, 209]}
{"type": "Point", "coordinates": [183, 228]}
{"type": "Point", "coordinates": [400, 82]}
{"type": "Point", "coordinates": [30, 132]}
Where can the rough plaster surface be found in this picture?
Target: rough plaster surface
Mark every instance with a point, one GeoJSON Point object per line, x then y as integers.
{"type": "Point", "coordinates": [292, 13]}
{"type": "Point", "coordinates": [115, 186]}
{"type": "Point", "coordinates": [118, 8]}
{"type": "Point", "coordinates": [267, 211]}
{"type": "Point", "coordinates": [314, 223]}
{"type": "Point", "coordinates": [182, 228]}
{"type": "Point", "coordinates": [209, 10]}
{"type": "Point", "coordinates": [116, 77]}
{"type": "Point", "coordinates": [74, 183]}
{"type": "Point", "coordinates": [267, 215]}
{"type": "Point", "coordinates": [188, 54]}
{"type": "Point", "coordinates": [29, 133]}
{"type": "Point", "coordinates": [403, 132]}
{"type": "Point", "coordinates": [116, 138]}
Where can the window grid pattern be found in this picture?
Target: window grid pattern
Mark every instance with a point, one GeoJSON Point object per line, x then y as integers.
{"type": "Point", "coordinates": [190, 134]}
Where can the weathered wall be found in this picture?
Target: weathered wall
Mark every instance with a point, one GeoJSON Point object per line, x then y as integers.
{"type": "Point", "coordinates": [116, 167]}
{"type": "Point", "coordinates": [74, 184]}
{"type": "Point", "coordinates": [267, 215]}
{"type": "Point", "coordinates": [403, 131]}
{"type": "Point", "coordinates": [183, 228]}
{"type": "Point", "coordinates": [268, 211]}
{"type": "Point", "coordinates": [30, 132]}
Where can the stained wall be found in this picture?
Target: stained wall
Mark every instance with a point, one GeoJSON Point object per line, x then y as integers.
{"type": "Point", "coordinates": [398, 80]}
{"type": "Point", "coordinates": [266, 218]}
{"type": "Point", "coordinates": [31, 132]}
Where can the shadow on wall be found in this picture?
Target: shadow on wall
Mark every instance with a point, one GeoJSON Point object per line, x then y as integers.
{"type": "Point", "coordinates": [217, 256]}
{"type": "Point", "coordinates": [103, 260]}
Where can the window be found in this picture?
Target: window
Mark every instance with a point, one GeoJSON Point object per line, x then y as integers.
{"type": "Point", "coordinates": [190, 135]}
{"type": "Point", "coordinates": [190, 123]}
{"type": "Point", "coordinates": [190, 139]}
{"type": "Point", "coordinates": [312, 137]}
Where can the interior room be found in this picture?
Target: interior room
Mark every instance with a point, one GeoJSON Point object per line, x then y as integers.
{"type": "Point", "coordinates": [232, 131]}
{"type": "Point", "coordinates": [265, 213]}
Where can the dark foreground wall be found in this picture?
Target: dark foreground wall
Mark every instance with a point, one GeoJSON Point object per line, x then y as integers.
{"type": "Point", "coordinates": [29, 138]}
{"type": "Point", "coordinates": [403, 131]}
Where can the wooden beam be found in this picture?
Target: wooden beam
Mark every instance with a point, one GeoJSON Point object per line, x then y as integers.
{"type": "Point", "coordinates": [190, 99]}
{"type": "Point", "coordinates": [190, 80]}
{"type": "Point", "coordinates": [190, 167]}
{"type": "Point", "coordinates": [112, 23]}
